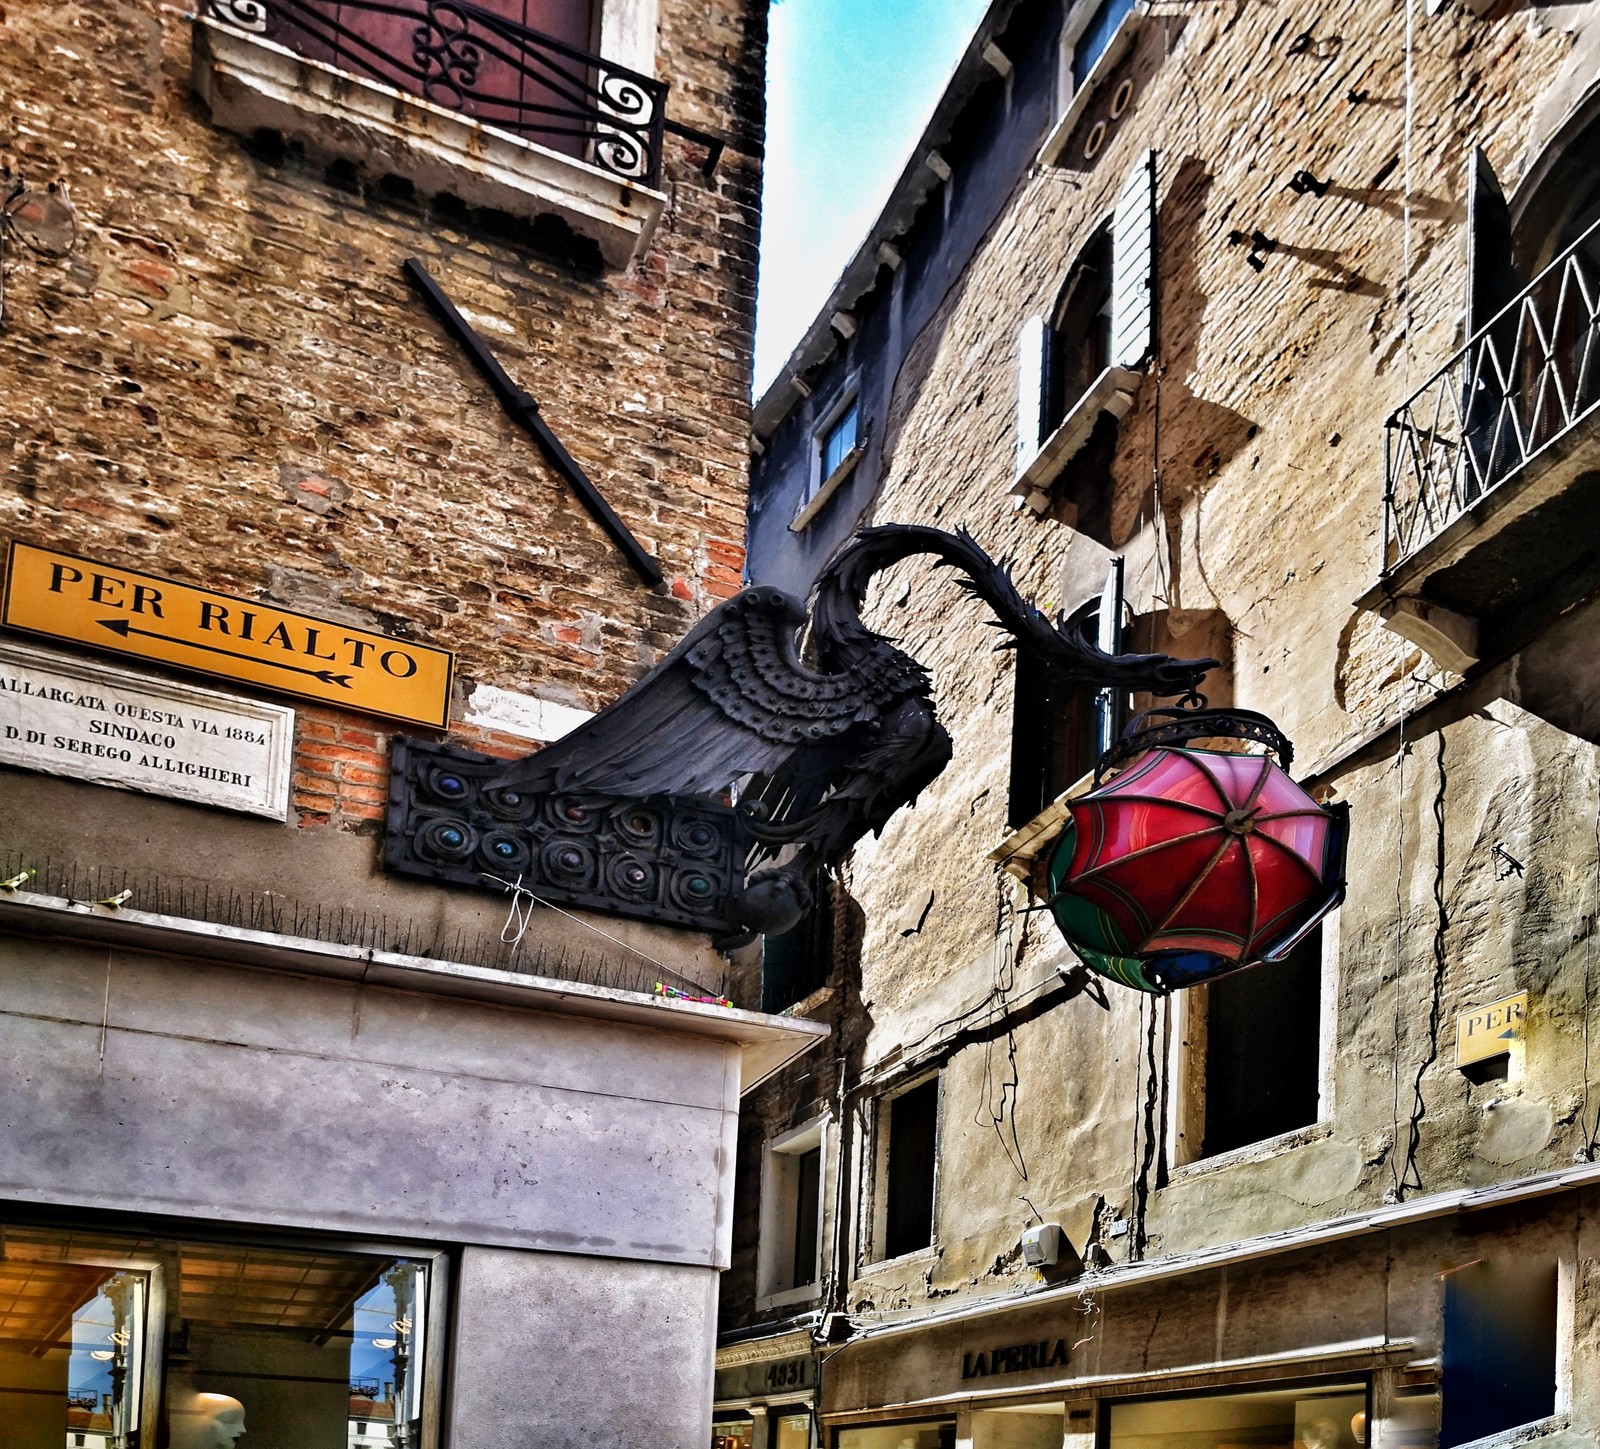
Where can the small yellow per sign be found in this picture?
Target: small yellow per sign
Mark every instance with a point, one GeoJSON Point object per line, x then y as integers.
{"type": "Point", "coordinates": [62, 597]}
{"type": "Point", "coordinates": [1491, 1030]}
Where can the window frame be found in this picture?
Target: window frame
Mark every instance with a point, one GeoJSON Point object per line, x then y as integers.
{"type": "Point", "coordinates": [1072, 97]}
{"type": "Point", "coordinates": [877, 1238]}
{"type": "Point", "coordinates": [818, 488]}
{"type": "Point", "coordinates": [1186, 1070]}
{"type": "Point", "coordinates": [775, 1243]}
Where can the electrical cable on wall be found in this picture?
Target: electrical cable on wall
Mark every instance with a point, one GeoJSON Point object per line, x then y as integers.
{"type": "Point", "coordinates": [1410, 1174]}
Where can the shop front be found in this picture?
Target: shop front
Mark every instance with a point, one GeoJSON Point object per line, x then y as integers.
{"type": "Point", "coordinates": [1440, 1320]}
{"type": "Point", "coordinates": [263, 1189]}
{"type": "Point", "coordinates": [766, 1392]}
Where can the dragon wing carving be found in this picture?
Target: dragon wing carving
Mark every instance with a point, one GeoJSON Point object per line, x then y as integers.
{"type": "Point", "coordinates": [733, 699]}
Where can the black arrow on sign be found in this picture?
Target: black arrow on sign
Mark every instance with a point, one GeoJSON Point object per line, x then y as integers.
{"type": "Point", "coordinates": [124, 628]}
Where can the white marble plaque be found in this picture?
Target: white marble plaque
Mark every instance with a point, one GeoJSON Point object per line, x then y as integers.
{"type": "Point", "coordinates": [90, 721]}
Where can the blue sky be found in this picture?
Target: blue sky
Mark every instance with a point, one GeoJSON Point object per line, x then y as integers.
{"type": "Point", "coordinates": [850, 85]}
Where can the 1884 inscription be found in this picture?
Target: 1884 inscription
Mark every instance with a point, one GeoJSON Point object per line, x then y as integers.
{"type": "Point", "coordinates": [92, 722]}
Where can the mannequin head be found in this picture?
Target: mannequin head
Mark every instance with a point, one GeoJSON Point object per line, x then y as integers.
{"type": "Point", "coordinates": [205, 1421]}
{"type": "Point", "coordinates": [1324, 1434]}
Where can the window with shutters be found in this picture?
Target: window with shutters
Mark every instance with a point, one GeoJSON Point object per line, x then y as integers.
{"type": "Point", "coordinates": [793, 1214]}
{"type": "Point", "coordinates": [534, 108]}
{"type": "Point", "coordinates": [1079, 365]}
{"type": "Point", "coordinates": [907, 1151]}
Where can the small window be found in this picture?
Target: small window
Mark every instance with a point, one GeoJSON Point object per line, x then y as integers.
{"type": "Point", "coordinates": [836, 448]}
{"type": "Point", "coordinates": [908, 1151]}
{"type": "Point", "coordinates": [1095, 37]}
{"type": "Point", "coordinates": [789, 1259]}
{"type": "Point", "coordinates": [838, 440]}
{"type": "Point", "coordinates": [1058, 729]}
{"type": "Point", "coordinates": [1262, 1033]}
{"type": "Point", "coordinates": [1499, 1367]}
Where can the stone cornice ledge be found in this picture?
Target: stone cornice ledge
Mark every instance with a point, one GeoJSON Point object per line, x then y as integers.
{"type": "Point", "coordinates": [250, 84]}
{"type": "Point", "coordinates": [766, 1043]}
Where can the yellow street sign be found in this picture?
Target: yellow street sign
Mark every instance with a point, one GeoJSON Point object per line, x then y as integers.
{"type": "Point", "coordinates": [1490, 1031]}
{"type": "Point", "coordinates": [63, 597]}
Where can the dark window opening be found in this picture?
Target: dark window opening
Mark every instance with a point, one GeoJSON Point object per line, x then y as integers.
{"type": "Point", "coordinates": [1058, 729]}
{"type": "Point", "coordinates": [913, 1147]}
{"type": "Point", "coordinates": [798, 962]}
{"type": "Point", "coordinates": [807, 1190]}
{"type": "Point", "coordinates": [1078, 345]}
{"type": "Point", "coordinates": [1263, 1037]}
{"type": "Point", "coordinates": [1499, 1367]}
{"type": "Point", "coordinates": [1096, 36]}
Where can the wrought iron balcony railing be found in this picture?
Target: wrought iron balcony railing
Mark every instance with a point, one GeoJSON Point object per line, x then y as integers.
{"type": "Point", "coordinates": [467, 58]}
{"type": "Point", "coordinates": [1520, 386]}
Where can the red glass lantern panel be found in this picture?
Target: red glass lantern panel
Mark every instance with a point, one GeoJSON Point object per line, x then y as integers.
{"type": "Point", "coordinates": [1196, 862]}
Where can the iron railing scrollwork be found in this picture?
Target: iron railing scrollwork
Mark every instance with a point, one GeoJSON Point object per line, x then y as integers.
{"type": "Point", "coordinates": [1521, 383]}
{"type": "Point", "coordinates": [468, 59]}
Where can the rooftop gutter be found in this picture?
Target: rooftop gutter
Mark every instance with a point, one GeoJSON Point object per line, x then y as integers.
{"type": "Point", "coordinates": [980, 61]}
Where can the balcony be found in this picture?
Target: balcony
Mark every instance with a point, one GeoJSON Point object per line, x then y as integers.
{"type": "Point", "coordinates": [453, 99]}
{"type": "Point", "coordinates": [1492, 475]}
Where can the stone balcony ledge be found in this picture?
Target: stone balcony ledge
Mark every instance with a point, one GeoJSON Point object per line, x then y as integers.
{"type": "Point", "coordinates": [249, 84]}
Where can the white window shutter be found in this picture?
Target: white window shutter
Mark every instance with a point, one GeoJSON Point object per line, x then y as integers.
{"type": "Point", "coordinates": [1133, 266]}
{"type": "Point", "coordinates": [1109, 703]}
{"type": "Point", "coordinates": [1108, 621]}
{"type": "Point", "coordinates": [1030, 388]}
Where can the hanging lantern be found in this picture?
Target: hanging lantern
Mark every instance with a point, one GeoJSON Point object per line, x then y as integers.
{"type": "Point", "coordinates": [1191, 862]}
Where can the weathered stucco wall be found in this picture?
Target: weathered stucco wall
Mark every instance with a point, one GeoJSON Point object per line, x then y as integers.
{"type": "Point", "coordinates": [1247, 502]}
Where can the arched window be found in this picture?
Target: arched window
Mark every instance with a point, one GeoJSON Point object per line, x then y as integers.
{"type": "Point", "coordinates": [1078, 343]}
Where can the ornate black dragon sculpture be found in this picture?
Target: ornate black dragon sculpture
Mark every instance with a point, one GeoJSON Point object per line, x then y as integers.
{"type": "Point", "coordinates": [787, 756]}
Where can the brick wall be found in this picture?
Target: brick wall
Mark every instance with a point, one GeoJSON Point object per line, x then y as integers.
{"type": "Point", "coordinates": [229, 382]}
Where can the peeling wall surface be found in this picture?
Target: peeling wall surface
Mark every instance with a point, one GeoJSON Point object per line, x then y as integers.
{"type": "Point", "coordinates": [239, 1028]}
{"type": "Point", "coordinates": [1245, 493]}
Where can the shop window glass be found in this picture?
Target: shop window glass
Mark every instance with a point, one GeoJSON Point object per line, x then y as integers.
{"type": "Point", "coordinates": [732, 1434]}
{"type": "Point", "coordinates": [316, 1349]}
{"type": "Point", "coordinates": [1499, 1366]}
{"type": "Point", "coordinates": [791, 1429]}
{"type": "Point", "coordinates": [932, 1434]}
{"type": "Point", "coordinates": [1320, 1417]}
{"type": "Point", "coordinates": [913, 1123]}
{"type": "Point", "coordinates": [1263, 1035]}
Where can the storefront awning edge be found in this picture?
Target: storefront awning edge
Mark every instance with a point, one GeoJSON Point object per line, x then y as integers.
{"type": "Point", "coordinates": [767, 1043]}
{"type": "Point", "coordinates": [1313, 1235]}
{"type": "Point", "coordinates": [1319, 1359]}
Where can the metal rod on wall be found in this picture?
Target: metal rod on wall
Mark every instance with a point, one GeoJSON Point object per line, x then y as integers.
{"type": "Point", "coordinates": [523, 409]}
